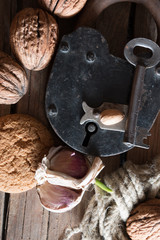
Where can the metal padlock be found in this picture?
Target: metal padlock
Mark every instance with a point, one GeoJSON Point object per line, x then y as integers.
{"type": "Point", "coordinates": [85, 81]}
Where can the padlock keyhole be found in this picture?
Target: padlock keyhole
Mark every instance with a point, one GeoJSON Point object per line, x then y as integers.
{"type": "Point", "coordinates": [91, 128]}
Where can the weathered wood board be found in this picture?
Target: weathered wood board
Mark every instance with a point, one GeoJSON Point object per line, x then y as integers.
{"type": "Point", "coordinates": [21, 215]}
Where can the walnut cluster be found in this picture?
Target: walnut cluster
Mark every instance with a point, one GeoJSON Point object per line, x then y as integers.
{"type": "Point", "coordinates": [63, 8]}
{"type": "Point", "coordinates": [144, 221]}
{"type": "Point", "coordinates": [33, 38]}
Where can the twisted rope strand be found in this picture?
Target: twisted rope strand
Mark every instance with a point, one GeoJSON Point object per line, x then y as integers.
{"type": "Point", "coordinates": [106, 214]}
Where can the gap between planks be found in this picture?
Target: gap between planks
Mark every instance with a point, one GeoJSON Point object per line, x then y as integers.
{"type": "Point", "coordinates": [26, 219]}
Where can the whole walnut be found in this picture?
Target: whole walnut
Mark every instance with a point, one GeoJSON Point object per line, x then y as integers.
{"type": "Point", "coordinates": [144, 221]}
{"type": "Point", "coordinates": [63, 8]}
{"type": "Point", "coordinates": [13, 80]}
{"type": "Point", "coordinates": [33, 37]}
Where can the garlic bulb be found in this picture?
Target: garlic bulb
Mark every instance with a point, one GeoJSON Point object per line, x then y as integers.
{"type": "Point", "coordinates": [63, 177]}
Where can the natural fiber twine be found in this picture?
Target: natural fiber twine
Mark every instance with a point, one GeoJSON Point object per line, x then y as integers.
{"type": "Point", "coordinates": [107, 213]}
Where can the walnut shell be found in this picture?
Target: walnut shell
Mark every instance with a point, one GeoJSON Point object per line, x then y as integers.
{"type": "Point", "coordinates": [33, 37]}
{"type": "Point", "coordinates": [13, 80]}
{"type": "Point", "coordinates": [63, 8]}
{"type": "Point", "coordinates": [144, 221]}
{"type": "Point", "coordinates": [48, 4]}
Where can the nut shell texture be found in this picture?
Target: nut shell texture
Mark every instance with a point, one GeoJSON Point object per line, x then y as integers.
{"type": "Point", "coordinates": [111, 116]}
{"type": "Point", "coordinates": [63, 8]}
{"type": "Point", "coordinates": [13, 80]}
{"type": "Point", "coordinates": [48, 4]}
{"type": "Point", "coordinates": [144, 221]}
{"type": "Point", "coordinates": [23, 143]}
{"type": "Point", "coordinates": [69, 8]}
{"type": "Point", "coordinates": [33, 37]}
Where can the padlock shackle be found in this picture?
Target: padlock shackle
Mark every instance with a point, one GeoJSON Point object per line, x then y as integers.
{"type": "Point", "coordinates": [94, 8]}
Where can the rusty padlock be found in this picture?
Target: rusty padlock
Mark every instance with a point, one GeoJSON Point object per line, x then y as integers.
{"type": "Point", "coordinates": [86, 81]}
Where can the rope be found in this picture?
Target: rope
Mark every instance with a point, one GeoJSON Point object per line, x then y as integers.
{"type": "Point", "coordinates": [107, 213]}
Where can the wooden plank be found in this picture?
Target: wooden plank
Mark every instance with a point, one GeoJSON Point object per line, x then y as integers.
{"type": "Point", "coordinates": [26, 218]}
{"type": "Point", "coordinates": [34, 218]}
{"type": "Point", "coordinates": [139, 155]}
{"type": "Point", "coordinates": [144, 26]}
{"type": "Point", "coordinates": [59, 222]}
{"type": "Point", "coordinates": [113, 24]}
{"type": "Point", "coordinates": [2, 201]}
{"type": "Point", "coordinates": [38, 223]}
{"type": "Point", "coordinates": [16, 206]}
{"type": "Point", "coordinates": [106, 21]}
{"type": "Point", "coordinates": [7, 10]}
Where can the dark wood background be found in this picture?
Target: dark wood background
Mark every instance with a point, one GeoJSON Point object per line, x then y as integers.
{"type": "Point", "coordinates": [21, 215]}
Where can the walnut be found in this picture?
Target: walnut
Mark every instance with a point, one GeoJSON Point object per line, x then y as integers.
{"type": "Point", "coordinates": [13, 80]}
{"type": "Point", "coordinates": [48, 4]}
{"type": "Point", "coordinates": [144, 221]}
{"type": "Point", "coordinates": [33, 37]}
{"type": "Point", "coordinates": [111, 116]}
{"type": "Point", "coordinates": [63, 8]}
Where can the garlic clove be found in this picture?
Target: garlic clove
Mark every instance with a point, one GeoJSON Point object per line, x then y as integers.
{"type": "Point", "coordinates": [58, 199]}
{"type": "Point", "coordinates": [69, 162]}
{"type": "Point", "coordinates": [43, 174]}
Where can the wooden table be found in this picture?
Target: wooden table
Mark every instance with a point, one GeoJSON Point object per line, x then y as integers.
{"type": "Point", "coordinates": [21, 215]}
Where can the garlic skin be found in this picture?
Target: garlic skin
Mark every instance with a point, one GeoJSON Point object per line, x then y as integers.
{"type": "Point", "coordinates": [69, 162]}
{"type": "Point", "coordinates": [64, 198]}
{"type": "Point", "coordinates": [63, 177]}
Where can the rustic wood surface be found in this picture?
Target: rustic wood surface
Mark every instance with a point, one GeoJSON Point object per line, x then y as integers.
{"type": "Point", "coordinates": [21, 215]}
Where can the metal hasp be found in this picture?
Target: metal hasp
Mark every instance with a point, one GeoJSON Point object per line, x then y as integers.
{"type": "Point", "coordinates": [86, 79]}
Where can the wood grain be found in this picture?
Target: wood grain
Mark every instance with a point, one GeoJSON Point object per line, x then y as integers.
{"type": "Point", "coordinates": [145, 26]}
{"type": "Point", "coordinates": [2, 201]}
{"type": "Point", "coordinates": [31, 221]}
{"type": "Point", "coordinates": [26, 219]}
{"type": "Point", "coordinates": [7, 10]}
{"type": "Point", "coordinates": [107, 22]}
